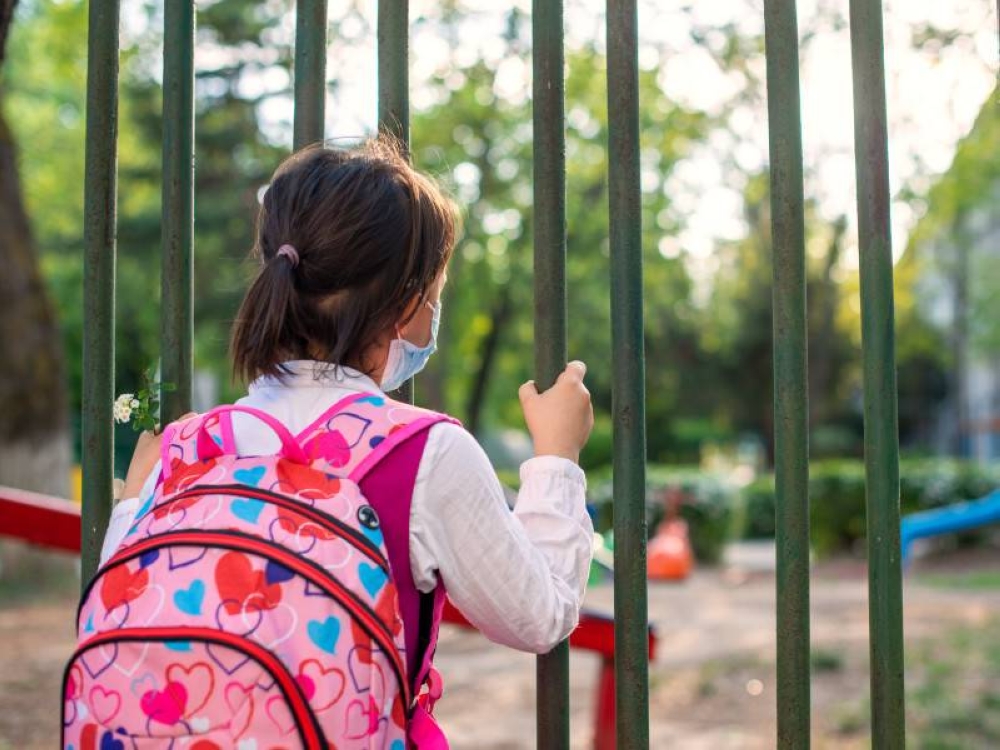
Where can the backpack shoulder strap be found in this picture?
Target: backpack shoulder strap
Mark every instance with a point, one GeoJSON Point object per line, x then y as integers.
{"type": "Point", "coordinates": [356, 433]}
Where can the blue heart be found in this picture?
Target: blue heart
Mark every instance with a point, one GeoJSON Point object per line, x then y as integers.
{"type": "Point", "coordinates": [374, 534]}
{"type": "Point", "coordinates": [325, 634]}
{"type": "Point", "coordinates": [250, 476]}
{"type": "Point", "coordinates": [178, 645]}
{"type": "Point", "coordinates": [189, 600]}
{"type": "Point", "coordinates": [144, 508]}
{"type": "Point", "coordinates": [397, 745]}
{"type": "Point", "coordinates": [247, 509]}
{"type": "Point", "coordinates": [148, 558]}
{"type": "Point", "coordinates": [374, 400]}
{"type": "Point", "coordinates": [375, 441]}
{"type": "Point", "coordinates": [373, 578]}
{"type": "Point", "coordinates": [89, 627]}
{"type": "Point", "coordinates": [108, 742]}
{"type": "Point", "coordinates": [275, 573]}
{"type": "Point", "coordinates": [217, 439]}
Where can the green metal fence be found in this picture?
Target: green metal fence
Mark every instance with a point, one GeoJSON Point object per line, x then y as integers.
{"type": "Point", "coordinates": [550, 313]}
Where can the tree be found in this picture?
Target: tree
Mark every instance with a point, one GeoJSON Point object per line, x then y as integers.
{"type": "Point", "coordinates": [34, 425]}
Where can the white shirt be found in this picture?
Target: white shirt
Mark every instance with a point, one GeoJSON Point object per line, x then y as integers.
{"type": "Point", "coordinates": [519, 576]}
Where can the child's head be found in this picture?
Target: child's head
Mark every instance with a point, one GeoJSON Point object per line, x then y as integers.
{"type": "Point", "coordinates": [369, 238]}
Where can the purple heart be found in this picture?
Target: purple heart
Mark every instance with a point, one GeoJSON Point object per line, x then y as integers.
{"type": "Point", "coordinates": [364, 668]}
{"type": "Point", "coordinates": [275, 573]}
{"type": "Point", "coordinates": [312, 589]}
{"type": "Point", "coordinates": [351, 426]}
{"type": "Point", "coordinates": [181, 557]}
{"type": "Point", "coordinates": [98, 667]}
{"type": "Point", "coordinates": [227, 659]}
{"type": "Point", "coordinates": [108, 742]}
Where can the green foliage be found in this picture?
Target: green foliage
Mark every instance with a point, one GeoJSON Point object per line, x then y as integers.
{"type": "Point", "coordinates": [837, 497]}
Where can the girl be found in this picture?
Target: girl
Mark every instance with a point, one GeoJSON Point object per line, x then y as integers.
{"type": "Point", "coordinates": [353, 247]}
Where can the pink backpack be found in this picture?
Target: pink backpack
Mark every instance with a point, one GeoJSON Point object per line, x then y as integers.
{"type": "Point", "coordinates": [259, 602]}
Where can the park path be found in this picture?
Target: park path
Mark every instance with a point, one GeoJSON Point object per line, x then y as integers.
{"type": "Point", "coordinates": [716, 636]}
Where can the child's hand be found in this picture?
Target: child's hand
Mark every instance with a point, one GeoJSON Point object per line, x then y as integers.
{"type": "Point", "coordinates": [147, 453]}
{"type": "Point", "coordinates": [561, 418]}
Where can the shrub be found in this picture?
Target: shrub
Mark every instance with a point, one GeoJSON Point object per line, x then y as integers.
{"type": "Point", "coordinates": [837, 497]}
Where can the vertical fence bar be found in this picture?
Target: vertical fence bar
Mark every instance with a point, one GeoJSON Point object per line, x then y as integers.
{"type": "Point", "coordinates": [393, 50]}
{"type": "Point", "coordinates": [885, 597]}
{"type": "Point", "coordinates": [393, 69]}
{"type": "Point", "coordinates": [791, 407]}
{"type": "Point", "coordinates": [549, 184]}
{"type": "Point", "coordinates": [628, 371]}
{"type": "Point", "coordinates": [310, 72]}
{"type": "Point", "coordinates": [177, 317]}
{"type": "Point", "coordinates": [100, 216]}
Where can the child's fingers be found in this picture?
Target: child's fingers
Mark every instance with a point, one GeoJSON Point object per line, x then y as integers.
{"type": "Point", "coordinates": [527, 391]}
{"type": "Point", "coordinates": [573, 373]}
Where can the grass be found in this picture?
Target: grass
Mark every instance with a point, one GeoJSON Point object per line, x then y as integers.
{"type": "Point", "coordinates": [952, 693]}
{"type": "Point", "coordinates": [979, 580]}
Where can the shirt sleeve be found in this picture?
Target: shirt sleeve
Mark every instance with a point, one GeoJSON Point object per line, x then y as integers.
{"type": "Point", "coordinates": [519, 576]}
{"type": "Point", "coordinates": [123, 515]}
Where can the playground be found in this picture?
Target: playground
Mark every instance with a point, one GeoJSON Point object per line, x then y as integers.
{"type": "Point", "coordinates": [788, 428]}
{"type": "Point", "coordinates": [712, 681]}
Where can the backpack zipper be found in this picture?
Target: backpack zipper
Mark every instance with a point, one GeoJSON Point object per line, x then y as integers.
{"type": "Point", "coordinates": [237, 541]}
{"type": "Point", "coordinates": [327, 521]}
{"type": "Point", "coordinates": [305, 720]}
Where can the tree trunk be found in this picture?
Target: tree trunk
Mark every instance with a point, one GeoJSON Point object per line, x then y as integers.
{"type": "Point", "coordinates": [491, 343]}
{"type": "Point", "coordinates": [34, 430]}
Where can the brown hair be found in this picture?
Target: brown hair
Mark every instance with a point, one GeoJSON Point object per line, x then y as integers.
{"type": "Point", "coordinates": [371, 234]}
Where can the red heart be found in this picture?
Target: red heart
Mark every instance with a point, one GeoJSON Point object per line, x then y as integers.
{"type": "Point", "coordinates": [163, 510]}
{"type": "Point", "coordinates": [331, 446]}
{"type": "Point", "coordinates": [120, 585]}
{"type": "Point", "coordinates": [239, 700]}
{"type": "Point", "coordinates": [314, 677]}
{"type": "Point", "coordinates": [296, 477]}
{"type": "Point", "coordinates": [293, 525]}
{"type": "Point", "coordinates": [183, 475]}
{"type": "Point", "coordinates": [199, 679]}
{"type": "Point", "coordinates": [243, 588]}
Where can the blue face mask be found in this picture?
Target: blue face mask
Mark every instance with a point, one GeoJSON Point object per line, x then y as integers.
{"type": "Point", "coordinates": [406, 359]}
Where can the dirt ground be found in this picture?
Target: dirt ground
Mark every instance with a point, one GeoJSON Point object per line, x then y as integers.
{"type": "Point", "coordinates": [711, 685]}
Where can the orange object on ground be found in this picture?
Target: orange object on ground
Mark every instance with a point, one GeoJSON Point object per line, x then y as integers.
{"type": "Point", "coordinates": [669, 556]}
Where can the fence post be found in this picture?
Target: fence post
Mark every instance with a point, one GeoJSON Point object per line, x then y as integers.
{"type": "Point", "coordinates": [310, 72]}
{"type": "Point", "coordinates": [549, 185]}
{"type": "Point", "coordinates": [177, 315]}
{"type": "Point", "coordinates": [393, 51]}
{"type": "Point", "coordinates": [628, 378]}
{"type": "Point", "coordinates": [885, 595]}
{"type": "Point", "coordinates": [100, 217]}
{"type": "Point", "coordinates": [791, 403]}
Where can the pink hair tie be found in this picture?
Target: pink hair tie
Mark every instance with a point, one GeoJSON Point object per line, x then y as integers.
{"type": "Point", "coordinates": [291, 253]}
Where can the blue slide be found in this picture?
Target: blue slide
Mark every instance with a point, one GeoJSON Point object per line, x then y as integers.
{"type": "Point", "coordinates": [947, 520]}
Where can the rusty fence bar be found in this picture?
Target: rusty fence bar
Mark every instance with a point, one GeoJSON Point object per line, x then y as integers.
{"type": "Point", "coordinates": [177, 279]}
{"type": "Point", "coordinates": [549, 184]}
{"type": "Point", "coordinates": [100, 218]}
{"type": "Point", "coordinates": [628, 378]}
{"type": "Point", "coordinates": [791, 405]}
{"type": "Point", "coordinates": [885, 594]}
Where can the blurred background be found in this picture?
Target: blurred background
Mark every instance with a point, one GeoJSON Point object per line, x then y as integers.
{"type": "Point", "coordinates": [707, 252]}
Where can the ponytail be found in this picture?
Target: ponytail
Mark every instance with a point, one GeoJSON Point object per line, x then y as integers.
{"type": "Point", "coordinates": [264, 331]}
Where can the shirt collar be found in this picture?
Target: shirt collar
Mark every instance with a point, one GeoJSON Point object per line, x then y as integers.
{"type": "Point", "coordinates": [307, 373]}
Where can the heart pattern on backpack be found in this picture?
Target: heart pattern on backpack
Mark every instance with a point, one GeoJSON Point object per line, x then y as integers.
{"type": "Point", "coordinates": [251, 587]}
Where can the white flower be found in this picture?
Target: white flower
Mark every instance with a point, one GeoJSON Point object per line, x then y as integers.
{"type": "Point", "coordinates": [134, 404]}
{"type": "Point", "coordinates": [123, 407]}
